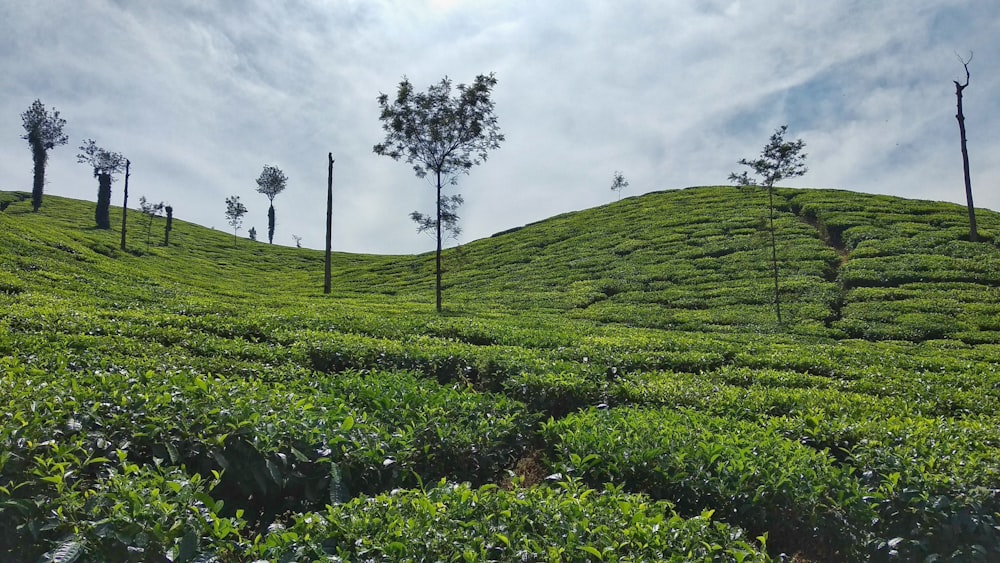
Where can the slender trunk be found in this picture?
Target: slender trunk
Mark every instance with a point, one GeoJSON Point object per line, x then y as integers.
{"type": "Point", "coordinates": [102, 215]}
{"type": "Point", "coordinates": [39, 156]}
{"type": "Point", "coordinates": [169, 227]}
{"type": "Point", "coordinates": [270, 224]}
{"type": "Point", "coordinates": [329, 223]}
{"type": "Point", "coordinates": [774, 256]}
{"type": "Point", "coordinates": [973, 233]}
{"type": "Point", "coordinates": [438, 255]}
{"type": "Point", "coordinates": [128, 164]}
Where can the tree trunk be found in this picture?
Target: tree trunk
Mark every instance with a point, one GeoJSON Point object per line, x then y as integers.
{"type": "Point", "coordinates": [128, 164]}
{"type": "Point", "coordinates": [39, 156]}
{"type": "Point", "coordinates": [774, 256]}
{"type": "Point", "coordinates": [437, 286]}
{"type": "Point", "coordinates": [169, 227]}
{"type": "Point", "coordinates": [329, 223]}
{"type": "Point", "coordinates": [102, 216]}
{"type": "Point", "coordinates": [973, 233]}
{"type": "Point", "coordinates": [270, 224]}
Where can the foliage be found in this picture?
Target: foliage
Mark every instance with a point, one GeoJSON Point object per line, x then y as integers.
{"type": "Point", "coordinates": [234, 214]}
{"type": "Point", "coordinates": [244, 401]}
{"type": "Point", "coordinates": [105, 164]}
{"type": "Point", "coordinates": [150, 210]}
{"type": "Point", "coordinates": [271, 182]}
{"type": "Point", "coordinates": [443, 136]}
{"type": "Point", "coordinates": [44, 132]}
{"type": "Point", "coordinates": [618, 183]}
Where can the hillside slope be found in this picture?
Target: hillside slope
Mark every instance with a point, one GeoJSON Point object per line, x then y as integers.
{"type": "Point", "coordinates": [628, 352]}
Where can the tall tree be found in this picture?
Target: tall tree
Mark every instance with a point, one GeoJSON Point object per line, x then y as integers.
{"type": "Point", "coordinates": [443, 136]}
{"type": "Point", "coordinates": [105, 164]}
{"type": "Point", "coordinates": [44, 132]}
{"type": "Point", "coordinates": [960, 116]}
{"type": "Point", "coordinates": [128, 166]}
{"type": "Point", "coordinates": [170, 225]}
{"type": "Point", "coordinates": [618, 183]}
{"type": "Point", "coordinates": [778, 160]}
{"type": "Point", "coordinates": [329, 223]}
{"type": "Point", "coordinates": [234, 214]}
{"type": "Point", "coordinates": [271, 182]}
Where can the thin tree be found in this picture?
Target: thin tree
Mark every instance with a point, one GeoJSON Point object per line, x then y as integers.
{"type": "Point", "coordinates": [778, 160]}
{"type": "Point", "coordinates": [44, 132]}
{"type": "Point", "coordinates": [618, 183]}
{"type": "Point", "coordinates": [105, 164]}
{"type": "Point", "coordinates": [150, 210]}
{"type": "Point", "coordinates": [271, 182]}
{"type": "Point", "coordinates": [960, 116]}
{"type": "Point", "coordinates": [170, 225]}
{"type": "Point", "coordinates": [252, 233]}
{"type": "Point", "coordinates": [443, 136]}
{"type": "Point", "coordinates": [234, 214]}
{"type": "Point", "coordinates": [329, 223]}
{"type": "Point", "coordinates": [128, 166]}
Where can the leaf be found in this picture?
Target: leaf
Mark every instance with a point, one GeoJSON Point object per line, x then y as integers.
{"type": "Point", "coordinates": [338, 489]}
{"type": "Point", "coordinates": [591, 550]}
{"type": "Point", "coordinates": [347, 424]}
{"type": "Point", "coordinates": [67, 552]}
{"type": "Point", "coordinates": [188, 547]}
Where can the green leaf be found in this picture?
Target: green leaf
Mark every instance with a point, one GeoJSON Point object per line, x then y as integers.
{"type": "Point", "coordinates": [67, 552]}
{"type": "Point", "coordinates": [591, 550]}
{"type": "Point", "coordinates": [347, 424]}
{"type": "Point", "coordinates": [188, 547]}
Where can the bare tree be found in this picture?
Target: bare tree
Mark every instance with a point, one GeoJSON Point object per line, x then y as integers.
{"type": "Point", "coordinates": [43, 131]}
{"type": "Point", "coordinates": [151, 211]}
{"type": "Point", "coordinates": [444, 136]}
{"type": "Point", "coordinates": [778, 160]}
{"type": "Point", "coordinates": [959, 88]}
{"type": "Point", "coordinates": [128, 166]}
{"type": "Point", "coordinates": [329, 223]}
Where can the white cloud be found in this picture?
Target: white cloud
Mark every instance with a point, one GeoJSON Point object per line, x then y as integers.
{"type": "Point", "coordinates": [201, 95]}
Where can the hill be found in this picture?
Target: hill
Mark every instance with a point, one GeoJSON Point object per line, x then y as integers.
{"type": "Point", "coordinates": [607, 384]}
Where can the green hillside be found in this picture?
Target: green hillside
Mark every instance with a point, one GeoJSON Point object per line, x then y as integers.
{"type": "Point", "coordinates": [609, 384]}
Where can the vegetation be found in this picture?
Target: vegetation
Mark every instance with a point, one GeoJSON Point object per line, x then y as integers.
{"type": "Point", "coordinates": [105, 164]}
{"type": "Point", "coordinates": [618, 183]}
{"type": "Point", "coordinates": [44, 132]}
{"type": "Point", "coordinates": [271, 182]}
{"type": "Point", "coordinates": [234, 214]}
{"type": "Point", "coordinates": [442, 136]}
{"type": "Point", "coordinates": [607, 385]}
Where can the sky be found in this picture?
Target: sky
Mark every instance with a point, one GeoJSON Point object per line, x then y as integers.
{"type": "Point", "coordinates": [200, 95]}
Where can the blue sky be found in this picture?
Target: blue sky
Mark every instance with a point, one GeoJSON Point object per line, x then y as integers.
{"type": "Point", "coordinates": [201, 95]}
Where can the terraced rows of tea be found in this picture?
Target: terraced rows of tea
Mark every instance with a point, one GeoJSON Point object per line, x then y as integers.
{"type": "Point", "coordinates": [606, 385]}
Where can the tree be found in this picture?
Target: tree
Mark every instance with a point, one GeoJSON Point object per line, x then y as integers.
{"type": "Point", "coordinates": [329, 223]}
{"type": "Point", "coordinates": [271, 182]}
{"type": "Point", "coordinates": [128, 166]}
{"type": "Point", "coordinates": [105, 164]}
{"type": "Point", "coordinates": [618, 183]}
{"type": "Point", "coordinates": [252, 233]}
{"type": "Point", "coordinates": [443, 136]}
{"type": "Point", "coordinates": [234, 214]}
{"type": "Point", "coordinates": [298, 241]}
{"type": "Point", "coordinates": [778, 160]}
{"type": "Point", "coordinates": [959, 88]}
{"type": "Point", "coordinates": [150, 210]}
{"type": "Point", "coordinates": [170, 225]}
{"type": "Point", "coordinates": [44, 132]}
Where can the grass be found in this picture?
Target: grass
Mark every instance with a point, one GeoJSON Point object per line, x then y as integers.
{"type": "Point", "coordinates": [618, 368]}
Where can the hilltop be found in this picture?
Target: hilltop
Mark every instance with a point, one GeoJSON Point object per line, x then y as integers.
{"type": "Point", "coordinates": [617, 372]}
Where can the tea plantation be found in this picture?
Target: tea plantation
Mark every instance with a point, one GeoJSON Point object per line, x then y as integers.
{"type": "Point", "coordinates": [605, 385]}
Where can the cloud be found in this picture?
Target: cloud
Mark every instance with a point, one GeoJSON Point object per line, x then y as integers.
{"type": "Point", "coordinates": [200, 96]}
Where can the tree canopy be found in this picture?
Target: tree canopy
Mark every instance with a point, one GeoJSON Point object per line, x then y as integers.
{"type": "Point", "coordinates": [271, 181]}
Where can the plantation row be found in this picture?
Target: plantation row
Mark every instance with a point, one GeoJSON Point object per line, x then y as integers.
{"type": "Point", "coordinates": [196, 402]}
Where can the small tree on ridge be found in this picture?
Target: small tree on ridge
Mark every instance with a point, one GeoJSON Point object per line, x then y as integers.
{"type": "Point", "coordinates": [778, 160]}
{"type": "Point", "coordinates": [618, 183]}
{"type": "Point", "coordinates": [43, 131]}
{"type": "Point", "coordinates": [443, 136]}
{"type": "Point", "coordinates": [234, 214]}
